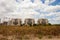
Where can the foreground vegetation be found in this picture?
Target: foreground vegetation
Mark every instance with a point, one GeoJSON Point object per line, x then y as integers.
{"type": "Point", "coordinates": [30, 30]}
{"type": "Point", "coordinates": [22, 30]}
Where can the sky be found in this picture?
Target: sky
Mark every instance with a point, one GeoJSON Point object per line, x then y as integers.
{"type": "Point", "coordinates": [36, 9]}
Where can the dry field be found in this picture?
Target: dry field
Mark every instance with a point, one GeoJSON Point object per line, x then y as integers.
{"type": "Point", "coordinates": [29, 32]}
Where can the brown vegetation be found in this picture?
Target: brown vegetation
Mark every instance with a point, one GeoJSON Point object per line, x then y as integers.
{"type": "Point", "coordinates": [22, 30]}
{"type": "Point", "coordinates": [38, 31]}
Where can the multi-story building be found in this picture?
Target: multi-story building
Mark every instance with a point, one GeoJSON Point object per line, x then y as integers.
{"type": "Point", "coordinates": [42, 21]}
{"type": "Point", "coordinates": [15, 22]}
{"type": "Point", "coordinates": [5, 23]}
{"type": "Point", "coordinates": [29, 21]}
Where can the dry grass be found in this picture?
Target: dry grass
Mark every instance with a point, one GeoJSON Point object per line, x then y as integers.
{"type": "Point", "coordinates": [36, 31]}
{"type": "Point", "coordinates": [41, 30]}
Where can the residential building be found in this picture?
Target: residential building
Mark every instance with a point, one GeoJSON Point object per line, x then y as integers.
{"type": "Point", "coordinates": [29, 21]}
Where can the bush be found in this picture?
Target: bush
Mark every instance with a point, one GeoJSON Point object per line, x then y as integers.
{"type": "Point", "coordinates": [49, 23]}
{"type": "Point", "coordinates": [50, 36]}
{"type": "Point", "coordinates": [40, 36]}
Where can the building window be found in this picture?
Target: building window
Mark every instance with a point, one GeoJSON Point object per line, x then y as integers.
{"type": "Point", "coordinates": [15, 22]}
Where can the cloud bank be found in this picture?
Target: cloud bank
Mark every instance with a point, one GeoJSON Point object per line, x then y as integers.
{"type": "Point", "coordinates": [28, 9]}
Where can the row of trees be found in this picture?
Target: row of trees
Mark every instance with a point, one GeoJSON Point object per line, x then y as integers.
{"type": "Point", "coordinates": [37, 24]}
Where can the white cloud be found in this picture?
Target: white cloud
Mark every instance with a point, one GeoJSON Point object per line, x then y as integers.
{"type": "Point", "coordinates": [54, 20]}
{"type": "Point", "coordinates": [52, 8]}
{"type": "Point", "coordinates": [26, 9]}
{"type": "Point", "coordinates": [49, 1]}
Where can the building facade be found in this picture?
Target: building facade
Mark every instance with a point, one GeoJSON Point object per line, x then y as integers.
{"type": "Point", "coordinates": [29, 21]}
{"type": "Point", "coordinates": [42, 21]}
{"type": "Point", "coordinates": [5, 23]}
{"type": "Point", "coordinates": [15, 22]}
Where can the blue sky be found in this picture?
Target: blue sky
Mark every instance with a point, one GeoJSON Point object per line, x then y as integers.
{"type": "Point", "coordinates": [57, 2]}
{"type": "Point", "coordinates": [49, 9]}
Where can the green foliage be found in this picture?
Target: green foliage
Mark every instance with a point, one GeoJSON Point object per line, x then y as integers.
{"type": "Point", "coordinates": [49, 23]}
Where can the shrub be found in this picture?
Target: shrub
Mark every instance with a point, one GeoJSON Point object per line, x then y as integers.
{"type": "Point", "coordinates": [50, 36]}
{"type": "Point", "coordinates": [40, 36]}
